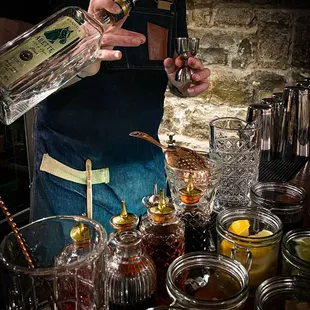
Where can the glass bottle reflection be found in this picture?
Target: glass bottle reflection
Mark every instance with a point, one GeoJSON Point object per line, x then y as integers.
{"type": "Point", "coordinates": [163, 238]}
{"type": "Point", "coordinates": [131, 274]}
{"type": "Point", "coordinates": [197, 222]}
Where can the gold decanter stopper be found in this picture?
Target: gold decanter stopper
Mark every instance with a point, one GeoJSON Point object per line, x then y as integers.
{"type": "Point", "coordinates": [124, 220]}
{"type": "Point", "coordinates": [163, 210]}
{"type": "Point", "coordinates": [190, 194]}
{"type": "Point", "coordinates": [80, 233]}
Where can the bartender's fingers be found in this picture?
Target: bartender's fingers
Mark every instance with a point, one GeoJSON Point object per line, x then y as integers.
{"type": "Point", "coordinates": [127, 38]}
{"type": "Point", "coordinates": [109, 5]}
{"type": "Point", "coordinates": [108, 55]}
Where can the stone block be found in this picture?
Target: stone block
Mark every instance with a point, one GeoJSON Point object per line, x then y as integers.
{"type": "Point", "coordinates": [236, 49]}
{"type": "Point", "coordinates": [234, 16]}
{"type": "Point", "coordinates": [198, 4]}
{"type": "Point", "coordinates": [262, 83]}
{"type": "Point", "coordinates": [282, 17]}
{"type": "Point", "coordinates": [301, 44]}
{"type": "Point", "coordinates": [201, 17]}
{"type": "Point", "coordinates": [213, 55]}
{"type": "Point", "coordinates": [273, 45]}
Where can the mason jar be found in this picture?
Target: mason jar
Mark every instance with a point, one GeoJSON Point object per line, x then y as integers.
{"type": "Point", "coordinates": [284, 199]}
{"type": "Point", "coordinates": [292, 263]}
{"type": "Point", "coordinates": [258, 248]}
{"type": "Point", "coordinates": [201, 280]}
{"type": "Point", "coordinates": [283, 293]}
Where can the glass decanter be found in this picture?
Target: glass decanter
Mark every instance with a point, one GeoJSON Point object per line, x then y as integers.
{"type": "Point", "coordinates": [197, 221]}
{"type": "Point", "coordinates": [76, 285]}
{"type": "Point", "coordinates": [163, 239]}
{"type": "Point", "coordinates": [131, 274]}
{"type": "Point", "coordinates": [122, 222]}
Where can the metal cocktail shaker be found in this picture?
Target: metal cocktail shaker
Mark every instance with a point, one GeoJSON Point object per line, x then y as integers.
{"type": "Point", "coordinates": [267, 115]}
{"type": "Point", "coordinates": [294, 132]}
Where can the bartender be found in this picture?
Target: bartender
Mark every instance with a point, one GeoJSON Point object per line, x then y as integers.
{"type": "Point", "coordinates": [92, 118]}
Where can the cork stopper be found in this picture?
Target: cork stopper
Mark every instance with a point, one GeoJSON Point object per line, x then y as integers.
{"type": "Point", "coordinates": [80, 232]}
{"type": "Point", "coordinates": [190, 194]}
{"type": "Point", "coordinates": [124, 220]}
{"type": "Point", "coordinates": [163, 210]}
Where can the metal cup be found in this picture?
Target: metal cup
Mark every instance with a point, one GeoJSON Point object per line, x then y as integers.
{"type": "Point", "coordinates": [263, 115]}
{"type": "Point", "coordinates": [295, 123]}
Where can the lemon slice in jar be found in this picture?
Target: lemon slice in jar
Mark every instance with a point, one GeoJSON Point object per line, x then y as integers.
{"type": "Point", "coordinates": [240, 228]}
{"type": "Point", "coordinates": [303, 248]}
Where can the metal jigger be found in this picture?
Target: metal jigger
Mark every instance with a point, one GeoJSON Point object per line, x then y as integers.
{"type": "Point", "coordinates": [186, 47]}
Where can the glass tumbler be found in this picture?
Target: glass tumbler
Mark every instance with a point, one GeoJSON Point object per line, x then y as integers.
{"type": "Point", "coordinates": [284, 199]}
{"type": "Point", "coordinates": [205, 181]}
{"type": "Point", "coordinates": [256, 247]}
{"type": "Point", "coordinates": [237, 143]}
{"type": "Point", "coordinates": [76, 285]}
{"type": "Point", "coordinates": [295, 253]}
{"type": "Point", "coordinates": [201, 280]}
{"type": "Point", "coordinates": [283, 293]}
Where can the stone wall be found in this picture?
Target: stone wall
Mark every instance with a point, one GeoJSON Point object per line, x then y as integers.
{"type": "Point", "coordinates": [251, 48]}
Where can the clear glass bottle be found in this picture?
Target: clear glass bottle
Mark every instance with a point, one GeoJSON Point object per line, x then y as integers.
{"type": "Point", "coordinates": [76, 288]}
{"type": "Point", "coordinates": [257, 247]}
{"type": "Point", "coordinates": [163, 238]}
{"type": "Point", "coordinates": [197, 221]}
{"type": "Point", "coordinates": [41, 60]}
{"type": "Point", "coordinates": [286, 200]}
{"type": "Point", "coordinates": [122, 222]}
{"type": "Point", "coordinates": [291, 248]}
{"type": "Point", "coordinates": [283, 293]}
{"type": "Point", "coordinates": [203, 280]}
{"type": "Point", "coordinates": [131, 274]}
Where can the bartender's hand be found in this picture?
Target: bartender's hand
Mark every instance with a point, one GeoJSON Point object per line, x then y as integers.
{"type": "Point", "coordinates": [113, 36]}
{"type": "Point", "coordinates": [200, 76]}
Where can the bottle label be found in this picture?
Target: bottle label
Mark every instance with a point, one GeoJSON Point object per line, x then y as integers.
{"type": "Point", "coordinates": [25, 57]}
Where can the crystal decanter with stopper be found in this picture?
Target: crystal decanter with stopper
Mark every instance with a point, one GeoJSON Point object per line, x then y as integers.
{"type": "Point", "coordinates": [122, 222]}
{"type": "Point", "coordinates": [77, 285]}
{"type": "Point", "coordinates": [163, 239]}
{"type": "Point", "coordinates": [131, 274]}
{"type": "Point", "coordinates": [40, 61]}
{"type": "Point", "coordinates": [197, 222]}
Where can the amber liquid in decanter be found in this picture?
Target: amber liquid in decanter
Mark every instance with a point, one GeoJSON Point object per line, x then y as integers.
{"type": "Point", "coordinates": [76, 287]}
{"type": "Point", "coordinates": [198, 236]}
{"type": "Point", "coordinates": [163, 238]}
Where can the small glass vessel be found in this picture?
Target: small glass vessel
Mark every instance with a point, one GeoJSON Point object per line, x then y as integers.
{"type": "Point", "coordinates": [131, 274]}
{"type": "Point", "coordinates": [296, 245]}
{"type": "Point", "coordinates": [205, 182]}
{"type": "Point", "coordinates": [122, 222]}
{"type": "Point", "coordinates": [203, 280]}
{"type": "Point", "coordinates": [163, 238]}
{"type": "Point", "coordinates": [198, 236]}
{"type": "Point", "coordinates": [256, 244]}
{"type": "Point", "coordinates": [283, 293]}
{"type": "Point", "coordinates": [286, 200]}
{"type": "Point", "coordinates": [70, 266]}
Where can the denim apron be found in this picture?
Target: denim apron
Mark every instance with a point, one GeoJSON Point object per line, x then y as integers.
{"type": "Point", "coordinates": [92, 119]}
